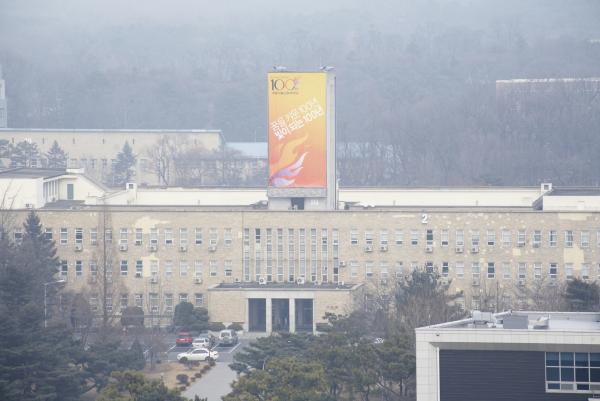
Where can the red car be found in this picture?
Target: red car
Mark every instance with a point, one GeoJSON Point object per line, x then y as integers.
{"type": "Point", "coordinates": [184, 339]}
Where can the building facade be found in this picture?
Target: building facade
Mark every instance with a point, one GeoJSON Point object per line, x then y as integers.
{"type": "Point", "coordinates": [538, 356]}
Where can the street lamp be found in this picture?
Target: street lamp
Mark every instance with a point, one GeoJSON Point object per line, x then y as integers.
{"type": "Point", "coordinates": [61, 281]}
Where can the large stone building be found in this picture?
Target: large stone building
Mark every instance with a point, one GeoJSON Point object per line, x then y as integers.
{"type": "Point", "coordinates": [283, 269]}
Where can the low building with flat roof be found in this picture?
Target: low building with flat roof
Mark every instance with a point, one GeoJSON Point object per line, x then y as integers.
{"type": "Point", "coordinates": [538, 356]}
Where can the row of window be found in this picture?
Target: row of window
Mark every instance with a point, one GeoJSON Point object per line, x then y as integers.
{"type": "Point", "coordinates": [185, 236]}
{"type": "Point", "coordinates": [491, 270]}
{"type": "Point", "coordinates": [573, 372]}
{"type": "Point", "coordinates": [152, 304]}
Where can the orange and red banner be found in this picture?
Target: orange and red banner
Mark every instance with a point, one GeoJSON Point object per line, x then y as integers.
{"type": "Point", "coordinates": [297, 130]}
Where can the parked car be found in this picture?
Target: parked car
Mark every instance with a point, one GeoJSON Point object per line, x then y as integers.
{"type": "Point", "coordinates": [197, 354]}
{"type": "Point", "coordinates": [184, 339]}
{"type": "Point", "coordinates": [202, 342]}
{"type": "Point", "coordinates": [228, 337]}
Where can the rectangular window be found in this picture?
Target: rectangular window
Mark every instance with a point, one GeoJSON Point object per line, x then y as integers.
{"type": "Point", "coordinates": [257, 235]}
{"type": "Point", "coordinates": [169, 303]}
{"type": "Point", "coordinates": [597, 238]}
{"type": "Point", "coordinates": [18, 236]}
{"type": "Point", "coordinates": [383, 237]}
{"type": "Point", "coordinates": [399, 269]}
{"type": "Point", "coordinates": [354, 268]}
{"type": "Point", "coordinates": [369, 269]}
{"type": "Point", "coordinates": [537, 238]}
{"type": "Point", "coordinates": [491, 238]}
{"type": "Point", "coordinates": [537, 270]}
{"type": "Point", "coordinates": [93, 236]}
{"type": "Point", "coordinates": [123, 236]}
{"type": "Point", "coordinates": [199, 299]}
{"type": "Point", "coordinates": [569, 271]}
{"type": "Point", "coordinates": [475, 238]}
{"type": "Point", "coordinates": [475, 270]}
{"type": "Point", "coordinates": [123, 301]}
{"type": "Point", "coordinates": [168, 236]}
{"type": "Point", "coordinates": [154, 236]}
{"type": "Point", "coordinates": [48, 235]}
{"type": "Point", "coordinates": [570, 372]}
{"type": "Point", "coordinates": [506, 270]}
{"type": "Point", "coordinates": [585, 239]}
{"type": "Point", "coordinates": [183, 237]}
{"type": "Point", "coordinates": [139, 268]}
{"type": "Point", "coordinates": [154, 268]}
{"type": "Point", "coordinates": [93, 269]}
{"type": "Point", "coordinates": [64, 236]}
{"type": "Point", "coordinates": [79, 236]}
{"type": "Point", "coordinates": [198, 236]}
{"type": "Point", "coordinates": [183, 297]}
{"type": "Point", "coordinates": [445, 269]}
{"type": "Point", "coordinates": [213, 236]}
{"type": "Point", "coordinates": [227, 237]}
{"type": "Point", "coordinates": [506, 237]}
{"type": "Point", "coordinates": [491, 270]}
{"type": "Point", "coordinates": [138, 300]}
{"type": "Point", "coordinates": [522, 270]}
{"type": "Point", "coordinates": [399, 237]}
{"type": "Point", "coordinates": [228, 267]}
{"type": "Point", "coordinates": [139, 237]}
{"type": "Point", "coordinates": [585, 271]}
{"type": "Point", "coordinates": [183, 268]}
{"type": "Point", "coordinates": [369, 237]}
{"type": "Point", "coordinates": [64, 269]}
{"type": "Point", "coordinates": [459, 269]}
{"type": "Point", "coordinates": [153, 301]}
{"type": "Point", "coordinates": [168, 268]}
{"type": "Point", "coordinates": [124, 268]}
{"type": "Point", "coordinates": [552, 238]}
{"type": "Point", "coordinates": [429, 237]}
{"type": "Point", "coordinates": [353, 236]}
{"type": "Point", "coordinates": [445, 237]}
{"type": "Point", "coordinates": [78, 268]}
{"type": "Point", "coordinates": [521, 238]}
{"type": "Point", "coordinates": [198, 269]}
{"type": "Point", "coordinates": [460, 238]}
{"type": "Point", "coordinates": [213, 267]}
{"type": "Point", "coordinates": [108, 235]}
{"type": "Point", "coordinates": [414, 237]}
{"type": "Point", "coordinates": [383, 270]}
{"type": "Point", "coordinates": [569, 239]}
{"type": "Point", "coordinates": [553, 271]}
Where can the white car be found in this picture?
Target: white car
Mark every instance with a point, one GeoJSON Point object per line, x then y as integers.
{"type": "Point", "coordinates": [197, 354]}
{"type": "Point", "coordinates": [201, 342]}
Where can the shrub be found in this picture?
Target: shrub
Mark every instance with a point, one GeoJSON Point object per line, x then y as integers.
{"type": "Point", "coordinates": [198, 374]}
{"type": "Point", "coordinates": [182, 378]}
{"type": "Point", "coordinates": [216, 326]}
{"type": "Point", "coordinates": [211, 362]}
{"type": "Point", "coordinates": [235, 326]}
{"type": "Point", "coordinates": [205, 368]}
{"type": "Point", "coordinates": [182, 388]}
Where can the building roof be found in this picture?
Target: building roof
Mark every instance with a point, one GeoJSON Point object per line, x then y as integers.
{"type": "Point", "coordinates": [524, 320]}
{"type": "Point", "coordinates": [113, 131]}
{"type": "Point", "coordinates": [284, 286]}
{"type": "Point", "coordinates": [32, 173]}
{"type": "Point", "coordinates": [575, 191]}
{"type": "Point", "coordinates": [256, 150]}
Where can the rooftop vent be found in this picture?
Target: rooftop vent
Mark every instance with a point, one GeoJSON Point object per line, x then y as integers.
{"type": "Point", "coordinates": [515, 322]}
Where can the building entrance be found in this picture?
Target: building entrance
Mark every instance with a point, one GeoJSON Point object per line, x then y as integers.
{"type": "Point", "coordinates": [304, 315]}
{"type": "Point", "coordinates": [257, 309]}
{"type": "Point", "coordinates": [281, 315]}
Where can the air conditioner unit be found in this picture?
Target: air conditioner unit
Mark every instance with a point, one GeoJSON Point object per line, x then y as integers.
{"type": "Point", "coordinates": [198, 280]}
{"type": "Point", "coordinates": [29, 205]}
{"type": "Point", "coordinates": [444, 280]}
{"type": "Point", "coordinates": [429, 249]}
{"type": "Point", "coordinates": [153, 280]}
{"type": "Point", "coordinates": [138, 275]}
{"type": "Point", "coordinates": [183, 248]}
{"type": "Point", "coordinates": [123, 247]}
{"type": "Point", "coordinates": [78, 247]}
{"type": "Point", "coordinates": [475, 282]}
{"type": "Point", "coordinates": [342, 263]}
{"type": "Point", "coordinates": [262, 281]}
{"type": "Point", "coordinates": [383, 281]}
{"type": "Point", "coordinates": [383, 248]}
{"type": "Point", "coordinates": [536, 245]}
{"type": "Point", "coordinates": [341, 283]}
{"type": "Point", "coordinates": [138, 242]}
{"type": "Point", "coordinates": [474, 249]}
{"type": "Point", "coordinates": [300, 280]}
{"type": "Point", "coordinates": [152, 247]}
{"type": "Point", "coordinates": [521, 283]}
{"type": "Point", "coordinates": [237, 280]}
{"type": "Point", "coordinates": [212, 248]}
{"type": "Point", "coordinates": [459, 249]}
{"type": "Point", "coordinates": [368, 248]}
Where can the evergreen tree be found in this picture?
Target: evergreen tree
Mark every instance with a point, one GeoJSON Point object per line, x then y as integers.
{"type": "Point", "coordinates": [133, 386]}
{"type": "Point", "coordinates": [123, 170]}
{"type": "Point", "coordinates": [582, 296]}
{"type": "Point", "coordinates": [56, 157]}
{"type": "Point", "coordinates": [24, 154]}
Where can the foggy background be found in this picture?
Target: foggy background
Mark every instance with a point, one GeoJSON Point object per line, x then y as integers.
{"type": "Point", "coordinates": [416, 92]}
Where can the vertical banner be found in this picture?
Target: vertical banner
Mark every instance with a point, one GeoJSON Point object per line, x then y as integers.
{"type": "Point", "coordinates": [297, 130]}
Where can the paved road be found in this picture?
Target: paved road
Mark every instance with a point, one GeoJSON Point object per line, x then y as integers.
{"type": "Point", "coordinates": [215, 384]}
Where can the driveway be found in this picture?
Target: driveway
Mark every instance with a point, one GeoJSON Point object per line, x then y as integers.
{"type": "Point", "coordinates": [214, 385]}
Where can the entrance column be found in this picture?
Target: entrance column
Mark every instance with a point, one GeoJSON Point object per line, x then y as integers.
{"type": "Point", "coordinates": [292, 315]}
{"type": "Point", "coordinates": [269, 315]}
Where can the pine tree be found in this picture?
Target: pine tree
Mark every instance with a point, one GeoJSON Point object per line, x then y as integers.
{"type": "Point", "coordinates": [24, 154]}
{"type": "Point", "coordinates": [56, 157]}
{"type": "Point", "coordinates": [123, 170]}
